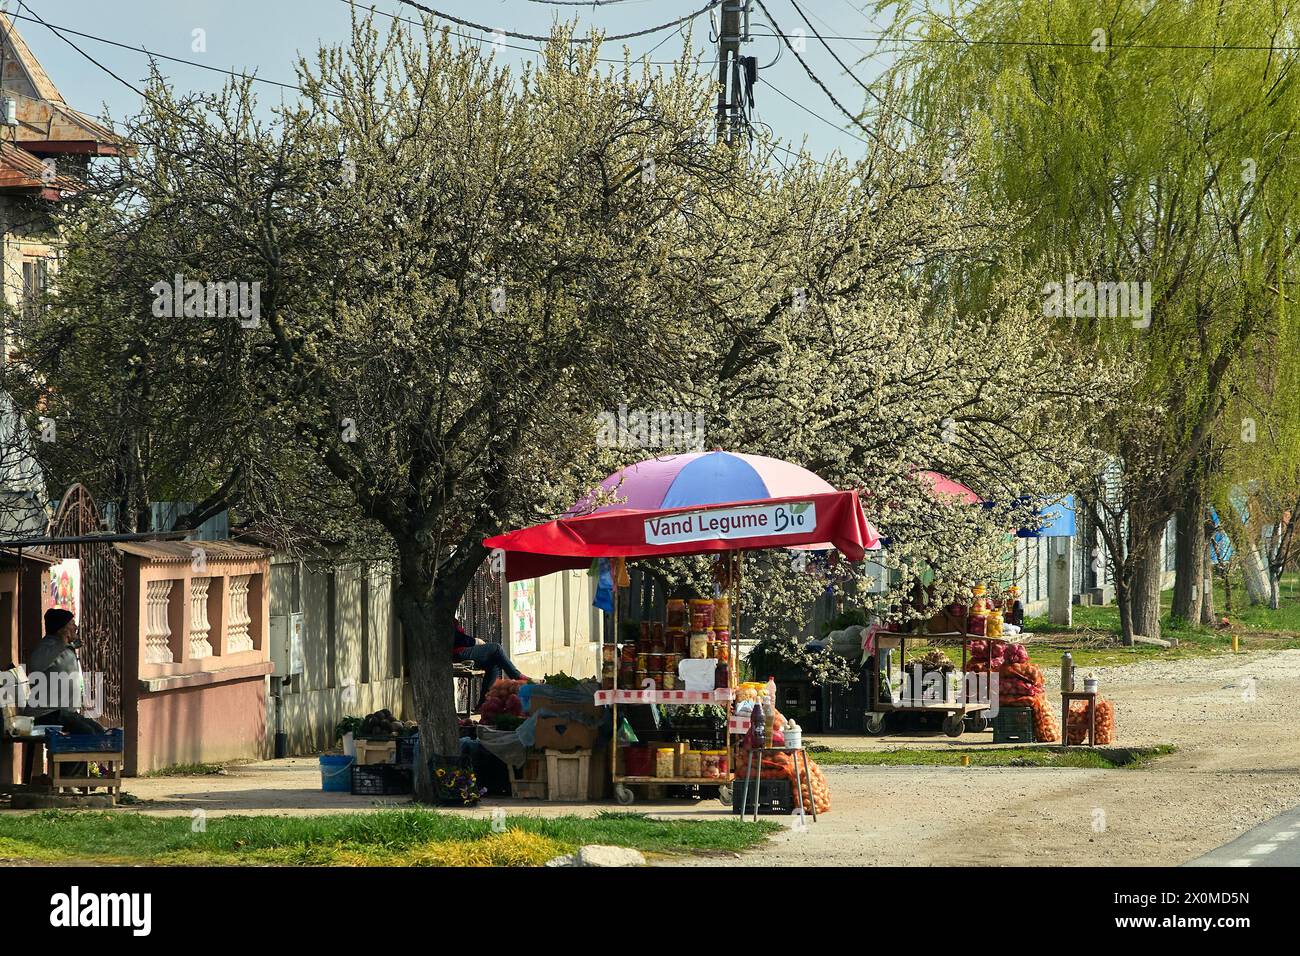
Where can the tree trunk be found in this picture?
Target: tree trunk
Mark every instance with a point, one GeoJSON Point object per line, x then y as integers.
{"type": "Point", "coordinates": [1275, 590]}
{"type": "Point", "coordinates": [428, 625]}
{"type": "Point", "coordinates": [1189, 553]}
{"type": "Point", "coordinates": [1254, 569]}
{"type": "Point", "coordinates": [1207, 578]}
{"type": "Point", "coordinates": [1148, 568]}
{"type": "Point", "coordinates": [1123, 597]}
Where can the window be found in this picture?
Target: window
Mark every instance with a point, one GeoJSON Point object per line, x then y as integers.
{"type": "Point", "coordinates": [35, 284]}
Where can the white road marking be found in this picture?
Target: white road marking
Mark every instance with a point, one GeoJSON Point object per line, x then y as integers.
{"type": "Point", "coordinates": [1241, 863]}
{"type": "Point", "coordinates": [1285, 835]}
{"type": "Point", "coordinates": [1261, 849]}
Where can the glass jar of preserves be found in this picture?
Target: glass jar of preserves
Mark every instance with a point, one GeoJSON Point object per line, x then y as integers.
{"type": "Point", "coordinates": [722, 675]}
{"type": "Point", "coordinates": [626, 677]}
{"type": "Point", "coordinates": [699, 645]}
{"type": "Point", "coordinates": [669, 680]}
{"type": "Point", "coordinates": [656, 661]}
{"type": "Point", "coordinates": [722, 612]}
{"type": "Point", "coordinates": [692, 764]}
{"type": "Point", "coordinates": [677, 613]}
{"type": "Point", "coordinates": [710, 765]}
{"type": "Point", "coordinates": [701, 615]}
{"type": "Point", "coordinates": [665, 762]}
{"type": "Point", "coordinates": [608, 653]}
{"type": "Point", "coordinates": [643, 661]}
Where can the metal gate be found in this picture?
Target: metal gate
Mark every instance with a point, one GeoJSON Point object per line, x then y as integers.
{"type": "Point", "coordinates": [480, 608]}
{"type": "Point", "coordinates": [101, 594]}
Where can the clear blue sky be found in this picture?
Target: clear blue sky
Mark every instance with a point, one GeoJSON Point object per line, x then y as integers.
{"type": "Point", "coordinates": [265, 36]}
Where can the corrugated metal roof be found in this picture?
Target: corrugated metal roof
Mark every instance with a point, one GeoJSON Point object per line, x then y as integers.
{"type": "Point", "coordinates": [184, 550]}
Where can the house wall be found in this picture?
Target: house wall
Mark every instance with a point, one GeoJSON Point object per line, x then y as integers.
{"type": "Point", "coordinates": [352, 661]}
{"type": "Point", "coordinates": [568, 628]}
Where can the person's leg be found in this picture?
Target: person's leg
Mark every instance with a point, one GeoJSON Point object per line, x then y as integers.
{"type": "Point", "coordinates": [481, 656]}
{"type": "Point", "coordinates": [500, 659]}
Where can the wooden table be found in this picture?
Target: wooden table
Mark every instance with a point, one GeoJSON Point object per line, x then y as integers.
{"type": "Point", "coordinates": [1091, 698]}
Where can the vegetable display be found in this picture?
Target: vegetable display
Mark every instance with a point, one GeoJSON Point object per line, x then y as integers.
{"type": "Point", "coordinates": [1077, 723]}
{"type": "Point", "coordinates": [502, 700]}
{"type": "Point", "coordinates": [1046, 729]}
{"type": "Point", "coordinates": [382, 723]}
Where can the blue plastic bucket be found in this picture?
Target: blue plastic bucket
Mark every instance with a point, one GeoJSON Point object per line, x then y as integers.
{"type": "Point", "coordinates": [336, 773]}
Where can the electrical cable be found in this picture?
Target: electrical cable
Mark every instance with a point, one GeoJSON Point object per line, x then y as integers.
{"type": "Point", "coordinates": [870, 92]}
{"type": "Point", "coordinates": [831, 123]}
{"type": "Point", "coordinates": [815, 78]}
{"type": "Point", "coordinates": [541, 39]}
{"type": "Point", "coordinates": [59, 30]}
{"type": "Point", "coordinates": [477, 39]}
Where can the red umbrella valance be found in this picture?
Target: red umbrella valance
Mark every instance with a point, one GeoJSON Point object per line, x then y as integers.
{"type": "Point", "coordinates": [832, 519]}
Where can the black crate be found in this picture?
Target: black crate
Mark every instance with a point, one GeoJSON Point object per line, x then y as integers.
{"type": "Point", "coordinates": [775, 795]}
{"type": "Point", "coordinates": [1014, 725]}
{"type": "Point", "coordinates": [381, 780]}
{"type": "Point", "coordinates": [408, 750]}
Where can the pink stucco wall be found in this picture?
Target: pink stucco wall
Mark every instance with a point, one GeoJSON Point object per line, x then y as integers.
{"type": "Point", "coordinates": [206, 710]}
{"type": "Point", "coordinates": [207, 724]}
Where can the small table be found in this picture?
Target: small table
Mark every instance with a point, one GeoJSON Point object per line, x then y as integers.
{"type": "Point", "coordinates": [753, 780]}
{"type": "Point", "coordinates": [1091, 698]}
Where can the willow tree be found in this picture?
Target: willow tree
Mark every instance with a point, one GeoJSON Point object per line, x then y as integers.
{"type": "Point", "coordinates": [1148, 149]}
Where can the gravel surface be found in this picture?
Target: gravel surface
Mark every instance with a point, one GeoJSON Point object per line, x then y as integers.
{"type": "Point", "coordinates": [1234, 719]}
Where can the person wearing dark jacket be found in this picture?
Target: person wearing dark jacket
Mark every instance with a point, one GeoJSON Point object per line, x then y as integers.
{"type": "Point", "coordinates": [489, 658]}
{"type": "Point", "coordinates": [56, 692]}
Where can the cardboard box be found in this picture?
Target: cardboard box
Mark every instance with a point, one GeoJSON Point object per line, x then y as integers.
{"type": "Point", "coordinates": [561, 733]}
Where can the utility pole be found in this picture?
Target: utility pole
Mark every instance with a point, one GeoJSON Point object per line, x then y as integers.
{"type": "Point", "coordinates": [733, 31]}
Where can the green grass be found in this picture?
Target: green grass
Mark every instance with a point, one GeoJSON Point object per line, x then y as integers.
{"type": "Point", "coordinates": [386, 837]}
{"type": "Point", "coordinates": [1256, 627]}
{"type": "Point", "coordinates": [1076, 757]}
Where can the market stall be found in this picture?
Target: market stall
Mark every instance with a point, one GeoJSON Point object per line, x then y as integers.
{"type": "Point", "coordinates": [714, 503]}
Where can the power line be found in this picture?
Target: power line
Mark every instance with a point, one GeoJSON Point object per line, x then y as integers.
{"type": "Point", "coordinates": [870, 92]}
{"type": "Point", "coordinates": [540, 39]}
{"type": "Point", "coordinates": [810, 112]}
{"type": "Point", "coordinates": [58, 31]}
{"type": "Point", "coordinates": [815, 78]}
{"type": "Point", "coordinates": [509, 46]}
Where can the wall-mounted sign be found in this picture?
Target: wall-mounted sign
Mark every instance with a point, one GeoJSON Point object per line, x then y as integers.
{"type": "Point", "coordinates": [64, 590]}
{"type": "Point", "coordinates": [523, 616]}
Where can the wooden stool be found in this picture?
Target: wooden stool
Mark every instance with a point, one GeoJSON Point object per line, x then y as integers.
{"type": "Point", "coordinates": [111, 783]}
{"type": "Point", "coordinates": [1091, 698]}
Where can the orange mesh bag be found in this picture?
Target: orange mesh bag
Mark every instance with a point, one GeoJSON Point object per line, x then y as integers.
{"type": "Point", "coordinates": [1045, 727]}
{"type": "Point", "coordinates": [782, 765]}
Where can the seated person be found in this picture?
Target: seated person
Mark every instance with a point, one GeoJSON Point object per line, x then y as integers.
{"type": "Point", "coordinates": [54, 676]}
{"type": "Point", "coordinates": [489, 658]}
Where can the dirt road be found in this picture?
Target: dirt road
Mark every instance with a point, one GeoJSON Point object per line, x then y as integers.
{"type": "Point", "coordinates": [1236, 721]}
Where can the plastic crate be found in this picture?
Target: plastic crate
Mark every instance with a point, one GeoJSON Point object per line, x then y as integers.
{"type": "Point", "coordinates": [408, 750]}
{"type": "Point", "coordinates": [1014, 725]}
{"type": "Point", "coordinates": [381, 780]}
{"type": "Point", "coordinates": [110, 742]}
{"type": "Point", "coordinates": [775, 795]}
